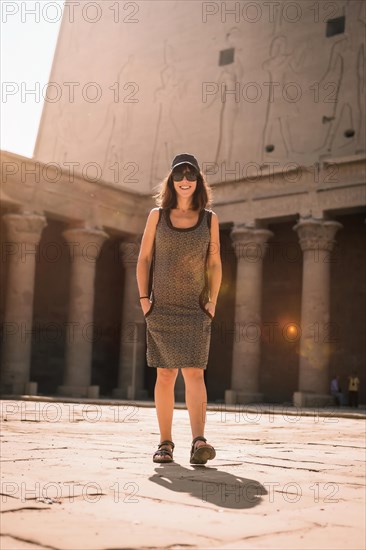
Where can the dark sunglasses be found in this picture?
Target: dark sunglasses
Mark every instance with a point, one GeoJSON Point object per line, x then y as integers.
{"type": "Point", "coordinates": [178, 176]}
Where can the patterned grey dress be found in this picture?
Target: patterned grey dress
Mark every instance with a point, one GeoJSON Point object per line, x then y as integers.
{"type": "Point", "coordinates": [178, 327]}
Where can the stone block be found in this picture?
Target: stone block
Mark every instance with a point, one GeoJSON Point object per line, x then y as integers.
{"type": "Point", "coordinates": [308, 399]}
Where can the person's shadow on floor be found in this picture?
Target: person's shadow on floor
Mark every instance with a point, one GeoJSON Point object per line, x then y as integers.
{"type": "Point", "coordinates": [210, 485]}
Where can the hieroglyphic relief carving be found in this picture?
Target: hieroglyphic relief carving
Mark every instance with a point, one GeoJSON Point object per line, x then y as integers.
{"type": "Point", "coordinates": [346, 68]}
{"type": "Point", "coordinates": [166, 98]}
{"type": "Point", "coordinates": [72, 129]}
{"type": "Point", "coordinates": [282, 66]}
{"type": "Point", "coordinates": [228, 81]}
{"type": "Point", "coordinates": [125, 99]}
{"type": "Point", "coordinates": [340, 91]}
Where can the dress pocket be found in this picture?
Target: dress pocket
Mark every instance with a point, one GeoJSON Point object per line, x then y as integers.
{"type": "Point", "coordinates": [148, 312]}
{"type": "Point", "coordinates": [151, 308]}
{"type": "Point", "coordinates": [202, 305]}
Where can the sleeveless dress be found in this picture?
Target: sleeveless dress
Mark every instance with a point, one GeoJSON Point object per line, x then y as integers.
{"type": "Point", "coordinates": [178, 327]}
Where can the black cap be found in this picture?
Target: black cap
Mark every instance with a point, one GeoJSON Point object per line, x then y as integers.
{"type": "Point", "coordinates": [185, 158]}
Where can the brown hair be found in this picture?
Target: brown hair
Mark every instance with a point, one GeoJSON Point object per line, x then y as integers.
{"type": "Point", "coordinates": [166, 197]}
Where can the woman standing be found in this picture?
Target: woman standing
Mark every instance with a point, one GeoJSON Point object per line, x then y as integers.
{"type": "Point", "coordinates": [187, 274]}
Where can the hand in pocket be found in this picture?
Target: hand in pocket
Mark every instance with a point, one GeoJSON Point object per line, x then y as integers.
{"type": "Point", "coordinates": [146, 306]}
{"type": "Point", "coordinates": [210, 307]}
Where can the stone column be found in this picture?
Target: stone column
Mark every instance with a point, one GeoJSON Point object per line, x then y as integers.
{"type": "Point", "coordinates": [132, 344]}
{"type": "Point", "coordinates": [316, 241]}
{"type": "Point", "coordinates": [23, 233]}
{"type": "Point", "coordinates": [250, 246]}
{"type": "Point", "coordinates": [84, 248]}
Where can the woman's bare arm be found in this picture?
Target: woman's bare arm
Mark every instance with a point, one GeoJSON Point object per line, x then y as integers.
{"type": "Point", "coordinates": [146, 252]}
{"type": "Point", "coordinates": [214, 267]}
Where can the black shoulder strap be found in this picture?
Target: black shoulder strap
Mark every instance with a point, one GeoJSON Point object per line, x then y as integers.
{"type": "Point", "coordinates": [209, 216]}
{"type": "Point", "coordinates": [160, 213]}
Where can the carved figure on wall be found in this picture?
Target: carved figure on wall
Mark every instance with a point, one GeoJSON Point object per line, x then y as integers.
{"type": "Point", "coordinates": [228, 98]}
{"type": "Point", "coordinates": [76, 127]}
{"type": "Point", "coordinates": [282, 65]}
{"type": "Point", "coordinates": [166, 98]}
{"type": "Point", "coordinates": [125, 99]}
{"type": "Point", "coordinates": [346, 68]}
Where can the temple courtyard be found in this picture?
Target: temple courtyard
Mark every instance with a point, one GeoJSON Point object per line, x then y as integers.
{"type": "Point", "coordinates": [79, 475]}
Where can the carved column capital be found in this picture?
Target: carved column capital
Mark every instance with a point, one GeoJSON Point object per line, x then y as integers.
{"type": "Point", "coordinates": [317, 234]}
{"type": "Point", "coordinates": [248, 242]}
{"type": "Point", "coordinates": [24, 228]}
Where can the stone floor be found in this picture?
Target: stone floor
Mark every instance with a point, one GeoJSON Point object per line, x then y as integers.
{"type": "Point", "coordinates": [80, 476]}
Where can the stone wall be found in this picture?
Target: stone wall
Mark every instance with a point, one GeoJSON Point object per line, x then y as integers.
{"type": "Point", "coordinates": [234, 82]}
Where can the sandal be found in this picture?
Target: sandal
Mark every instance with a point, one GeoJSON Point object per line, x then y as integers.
{"type": "Point", "coordinates": [159, 454]}
{"type": "Point", "coordinates": [200, 455]}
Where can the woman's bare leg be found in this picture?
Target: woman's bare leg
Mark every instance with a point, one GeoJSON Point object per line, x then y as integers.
{"type": "Point", "coordinates": [196, 400]}
{"type": "Point", "coordinates": [164, 401]}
